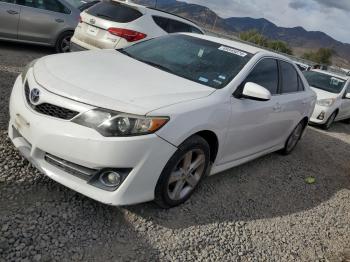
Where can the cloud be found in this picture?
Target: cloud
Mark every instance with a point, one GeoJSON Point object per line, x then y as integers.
{"type": "Point", "coordinates": [297, 4]}
{"type": "Point", "coordinates": [337, 4]}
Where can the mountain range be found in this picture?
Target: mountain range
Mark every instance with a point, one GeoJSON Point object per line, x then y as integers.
{"type": "Point", "coordinates": [299, 39]}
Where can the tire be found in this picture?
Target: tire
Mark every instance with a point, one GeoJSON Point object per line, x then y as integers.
{"type": "Point", "coordinates": [330, 121]}
{"type": "Point", "coordinates": [63, 42]}
{"type": "Point", "coordinates": [175, 185]}
{"type": "Point", "coordinates": [293, 139]}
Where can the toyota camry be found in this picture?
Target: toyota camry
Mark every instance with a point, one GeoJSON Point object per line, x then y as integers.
{"type": "Point", "coordinates": [150, 121]}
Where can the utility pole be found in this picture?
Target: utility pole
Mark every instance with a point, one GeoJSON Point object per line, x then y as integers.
{"type": "Point", "coordinates": [156, 4]}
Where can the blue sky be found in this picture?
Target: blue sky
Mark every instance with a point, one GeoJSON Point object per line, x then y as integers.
{"type": "Point", "coordinates": [329, 16]}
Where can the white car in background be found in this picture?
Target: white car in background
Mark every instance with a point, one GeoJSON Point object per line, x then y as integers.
{"type": "Point", "coordinates": [112, 25]}
{"type": "Point", "coordinates": [157, 116]}
{"type": "Point", "coordinates": [333, 97]}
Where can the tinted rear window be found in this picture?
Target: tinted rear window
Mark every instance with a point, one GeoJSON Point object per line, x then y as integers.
{"type": "Point", "coordinates": [174, 26]}
{"type": "Point", "coordinates": [114, 11]}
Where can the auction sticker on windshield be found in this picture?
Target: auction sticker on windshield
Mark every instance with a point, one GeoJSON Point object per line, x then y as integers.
{"type": "Point", "coordinates": [232, 51]}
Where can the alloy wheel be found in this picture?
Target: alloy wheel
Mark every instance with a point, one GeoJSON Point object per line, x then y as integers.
{"type": "Point", "coordinates": [65, 44]}
{"type": "Point", "coordinates": [186, 174]}
{"type": "Point", "coordinates": [295, 137]}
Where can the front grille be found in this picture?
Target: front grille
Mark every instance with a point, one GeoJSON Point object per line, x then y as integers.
{"type": "Point", "coordinates": [49, 109]}
{"type": "Point", "coordinates": [55, 111]}
{"type": "Point", "coordinates": [71, 168]}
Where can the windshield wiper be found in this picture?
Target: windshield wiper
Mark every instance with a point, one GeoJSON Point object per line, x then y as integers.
{"type": "Point", "coordinates": [124, 52]}
{"type": "Point", "coordinates": [161, 67]}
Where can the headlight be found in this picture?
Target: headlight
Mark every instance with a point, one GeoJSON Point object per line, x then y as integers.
{"type": "Point", "coordinates": [113, 124]}
{"type": "Point", "coordinates": [26, 69]}
{"type": "Point", "coordinates": [326, 102]}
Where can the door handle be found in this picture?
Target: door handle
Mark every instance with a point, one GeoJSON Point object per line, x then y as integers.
{"type": "Point", "coordinates": [304, 102]}
{"type": "Point", "coordinates": [12, 12]}
{"type": "Point", "coordinates": [59, 20]}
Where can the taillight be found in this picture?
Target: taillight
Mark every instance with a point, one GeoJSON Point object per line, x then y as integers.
{"type": "Point", "coordinates": [129, 35]}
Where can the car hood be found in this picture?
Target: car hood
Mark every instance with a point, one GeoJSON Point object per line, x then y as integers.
{"type": "Point", "coordinates": [322, 94]}
{"type": "Point", "coordinates": [112, 80]}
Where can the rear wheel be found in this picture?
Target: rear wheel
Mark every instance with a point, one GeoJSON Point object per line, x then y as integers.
{"type": "Point", "coordinates": [63, 42]}
{"type": "Point", "coordinates": [293, 139]}
{"type": "Point", "coordinates": [183, 172]}
{"type": "Point", "coordinates": [330, 121]}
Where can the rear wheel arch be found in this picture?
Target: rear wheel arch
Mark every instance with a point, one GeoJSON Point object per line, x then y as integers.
{"type": "Point", "coordinates": [59, 37]}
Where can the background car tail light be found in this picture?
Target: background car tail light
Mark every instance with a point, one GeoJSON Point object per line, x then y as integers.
{"type": "Point", "coordinates": [80, 19]}
{"type": "Point", "coordinates": [129, 35]}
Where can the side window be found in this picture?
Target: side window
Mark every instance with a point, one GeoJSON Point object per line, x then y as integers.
{"type": "Point", "coordinates": [50, 5]}
{"type": "Point", "coordinates": [290, 78]}
{"type": "Point", "coordinates": [301, 86]}
{"type": "Point", "coordinates": [265, 73]}
{"type": "Point", "coordinates": [176, 27]}
{"type": "Point", "coordinates": [162, 22]}
{"type": "Point", "coordinates": [29, 3]}
{"type": "Point", "coordinates": [195, 30]}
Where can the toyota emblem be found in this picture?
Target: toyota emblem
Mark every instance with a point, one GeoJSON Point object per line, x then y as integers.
{"type": "Point", "coordinates": [34, 95]}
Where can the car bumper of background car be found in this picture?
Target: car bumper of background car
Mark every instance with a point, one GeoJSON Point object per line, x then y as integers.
{"type": "Point", "coordinates": [320, 115]}
{"type": "Point", "coordinates": [76, 150]}
{"type": "Point", "coordinates": [78, 45]}
{"type": "Point", "coordinates": [76, 48]}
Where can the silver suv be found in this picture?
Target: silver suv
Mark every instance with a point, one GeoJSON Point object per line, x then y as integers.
{"type": "Point", "coordinates": [45, 22]}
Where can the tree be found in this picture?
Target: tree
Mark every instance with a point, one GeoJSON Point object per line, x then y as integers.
{"type": "Point", "coordinates": [280, 47]}
{"type": "Point", "coordinates": [255, 37]}
{"type": "Point", "coordinates": [321, 56]}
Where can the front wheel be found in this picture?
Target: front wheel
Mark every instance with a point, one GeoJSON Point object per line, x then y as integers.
{"type": "Point", "coordinates": [183, 172]}
{"type": "Point", "coordinates": [330, 121]}
{"type": "Point", "coordinates": [63, 42]}
{"type": "Point", "coordinates": [293, 139]}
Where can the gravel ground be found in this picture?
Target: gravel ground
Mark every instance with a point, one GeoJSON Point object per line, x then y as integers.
{"type": "Point", "coordinates": [262, 210]}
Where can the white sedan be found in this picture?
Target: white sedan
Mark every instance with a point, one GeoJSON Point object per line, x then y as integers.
{"type": "Point", "coordinates": [333, 97]}
{"type": "Point", "coordinates": [148, 122]}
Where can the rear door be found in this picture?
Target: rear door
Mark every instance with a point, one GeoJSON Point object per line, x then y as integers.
{"type": "Point", "coordinates": [42, 20]}
{"type": "Point", "coordinates": [293, 101]}
{"type": "Point", "coordinates": [9, 17]}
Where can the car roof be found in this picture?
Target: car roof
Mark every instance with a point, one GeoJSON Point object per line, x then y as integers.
{"type": "Point", "coordinates": [155, 11]}
{"type": "Point", "coordinates": [344, 77]}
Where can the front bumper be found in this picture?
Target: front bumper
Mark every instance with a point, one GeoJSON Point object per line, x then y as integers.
{"type": "Point", "coordinates": [35, 135]}
{"type": "Point", "coordinates": [318, 111]}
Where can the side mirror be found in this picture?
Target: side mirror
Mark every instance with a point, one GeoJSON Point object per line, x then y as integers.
{"type": "Point", "coordinates": [347, 95]}
{"type": "Point", "coordinates": [256, 92]}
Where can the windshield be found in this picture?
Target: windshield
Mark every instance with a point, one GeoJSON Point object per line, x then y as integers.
{"type": "Point", "coordinates": [325, 82]}
{"type": "Point", "coordinates": [198, 60]}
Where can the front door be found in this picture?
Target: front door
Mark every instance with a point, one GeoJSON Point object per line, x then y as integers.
{"type": "Point", "coordinates": [9, 17]}
{"type": "Point", "coordinates": [255, 125]}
